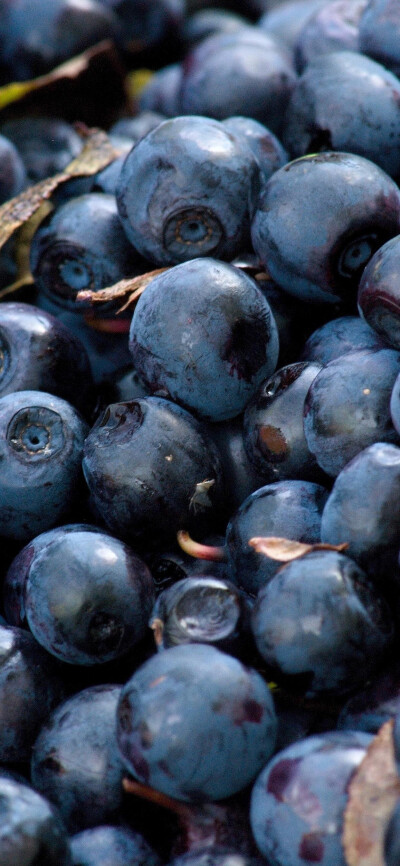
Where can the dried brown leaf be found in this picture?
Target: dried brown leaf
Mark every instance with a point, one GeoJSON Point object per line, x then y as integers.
{"type": "Point", "coordinates": [128, 290]}
{"type": "Point", "coordinates": [285, 549]}
{"type": "Point", "coordinates": [373, 793]}
{"type": "Point", "coordinates": [91, 86]}
{"type": "Point", "coordinates": [96, 154]}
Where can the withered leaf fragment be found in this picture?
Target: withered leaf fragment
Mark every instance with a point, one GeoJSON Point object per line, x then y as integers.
{"type": "Point", "coordinates": [285, 549]}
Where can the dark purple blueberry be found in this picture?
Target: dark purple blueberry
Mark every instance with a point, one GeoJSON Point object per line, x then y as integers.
{"type": "Point", "coordinates": [194, 723]}
{"type": "Point", "coordinates": [244, 73]}
{"type": "Point", "coordinates": [379, 292]}
{"type": "Point", "coordinates": [45, 144]}
{"type": "Point", "coordinates": [380, 33]}
{"type": "Point", "coordinates": [289, 509]}
{"type": "Point", "coordinates": [145, 23]}
{"type": "Point", "coordinates": [31, 686]}
{"type": "Point", "coordinates": [87, 595]}
{"type": "Point", "coordinates": [39, 353]}
{"type": "Point", "coordinates": [151, 471]}
{"type": "Point", "coordinates": [204, 335]}
{"type": "Point", "coordinates": [162, 92]}
{"type": "Point", "coordinates": [242, 477]}
{"type": "Point", "coordinates": [41, 444]}
{"type": "Point", "coordinates": [347, 407]}
{"type": "Point", "coordinates": [334, 27]}
{"type": "Point", "coordinates": [13, 177]}
{"type": "Point", "coordinates": [267, 149]}
{"type": "Point", "coordinates": [75, 761]}
{"type": "Point", "coordinates": [339, 337]}
{"type": "Point", "coordinates": [187, 189]}
{"type": "Point", "coordinates": [298, 800]}
{"type": "Point", "coordinates": [346, 102]}
{"type": "Point", "coordinates": [209, 21]}
{"type": "Point", "coordinates": [202, 609]}
{"type": "Point", "coordinates": [362, 510]}
{"type": "Point", "coordinates": [136, 127]}
{"type": "Point", "coordinates": [33, 44]}
{"type": "Point", "coordinates": [32, 831]}
{"type": "Point", "coordinates": [320, 623]}
{"type": "Point", "coordinates": [273, 431]}
{"type": "Point", "coordinates": [112, 846]}
{"type": "Point", "coordinates": [285, 19]}
{"type": "Point", "coordinates": [319, 221]}
{"type": "Point", "coordinates": [81, 245]}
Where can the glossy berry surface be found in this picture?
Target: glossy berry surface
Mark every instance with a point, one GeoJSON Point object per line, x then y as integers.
{"type": "Point", "coordinates": [31, 686]}
{"type": "Point", "coordinates": [273, 425]}
{"type": "Point", "coordinates": [202, 609]}
{"type": "Point", "coordinates": [379, 33]}
{"type": "Point", "coordinates": [320, 219]}
{"type": "Point", "coordinates": [378, 293]}
{"type": "Point", "coordinates": [32, 831]}
{"type": "Point", "coordinates": [347, 102]}
{"type": "Point", "coordinates": [87, 596]}
{"type": "Point", "coordinates": [338, 337]}
{"type": "Point", "coordinates": [81, 245]}
{"type": "Point", "coordinates": [334, 27]}
{"type": "Point", "coordinates": [147, 458]}
{"type": "Point", "coordinates": [362, 511]}
{"type": "Point", "coordinates": [290, 509]}
{"type": "Point", "coordinates": [204, 335]}
{"type": "Point", "coordinates": [299, 798]}
{"type": "Point", "coordinates": [107, 844]}
{"type": "Point", "coordinates": [321, 621]}
{"type": "Point", "coordinates": [259, 66]}
{"type": "Point", "coordinates": [75, 761]}
{"type": "Point", "coordinates": [186, 190]}
{"type": "Point", "coordinates": [41, 451]}
{"type": "Point", "coordinates": [39, 353]}
{"type": "Point", "coordinates": [194, 723]}
{"type": "Point", "coordinates": [266, 147]}
{"type": "Point", "coordinates": [347, 407]}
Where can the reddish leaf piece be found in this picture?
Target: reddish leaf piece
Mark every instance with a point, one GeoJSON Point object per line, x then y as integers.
{"type": "Point", "coordinates": [127, 290]}
{"type": "Point", "coordinates": [373, 793]}
{"type": "Point", "coordinates": [285, 549]}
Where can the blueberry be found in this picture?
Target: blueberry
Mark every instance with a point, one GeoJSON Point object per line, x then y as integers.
{"type": "Point", "coordinates": [298, 800]}
{"type": "Point", "coordinates": [379, 33]}
{"type": "Point", "coordinates": [39, 353]}
{"type": "Point", "coordinates": [162, 93]}
{"type": "Point", "coordinates": [202, 610]}
{"type": "Point", "coordinates": [41, 450]}
{"type": "Point", "coordinates": [206, 22]}
{"type": "Point", "coordinates": [320, 219]}
{"type": "Point", "coordinates": [347, 406]}
{"type": "Point", "coordinates": [13, 177]}
{"type": "Point", "coordinates": [362, 511]}
{"type": "Point", "coordinates": [106, 845]}
{"type": "Point", "coordinates": [247, 73]}
{"type": "Point", "coordinates": [136, 127]}
{"type": "Point", "coordinates": [204, 335]}
{"type": "Point", "coordinates": [32, 45]}
{"type": "Point", "coordinates": [186, 189]}
{"type": "Point", "coordinates": [215, 857]}
{"type": "Point", "coordinates": [45, 144]}
{"type": "Point", "coordinates": [152, 471]}
{"type": "Point", "coordinates": [242, 477]}
{"type": "Point", "coordinates": [273, 429]}
{"type": "Point", "coordinates": [290, 509]}
{"type": "Point", "coordinates": [320, 622]}
{"type": "Point", "coordinates": [145, 23]}
{"type": "Point", "coordinates": [81, 245]}
{"type": "Point", "coordinates": [75, 761]}
{"type": "Point", "coordinates": [284, 21]}
{"type": "Point", "coordinates": [345, 101]}
{"type": "Point", "coordinates": [334, 27]}
{"type": "Point", "coordinates": [265, 145]}
{"type": "Point", "coordinates": [87, 596]}
{"type": "Point", "coordinates": [378, 292]}
{"type": "Point", "coordinates": [32, 831]}
{"type": "Point", "coordinates": [31, 686]}
{"type": "Point", "coordinates": [194, 723]}
{"type": "Point", "coordinates": [338, 337]}
{"type": "Point", "coordinates": [374, 704]}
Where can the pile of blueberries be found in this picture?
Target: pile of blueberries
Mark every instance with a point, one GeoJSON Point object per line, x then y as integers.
{"type": "Point", "coordinates": [170, 695]}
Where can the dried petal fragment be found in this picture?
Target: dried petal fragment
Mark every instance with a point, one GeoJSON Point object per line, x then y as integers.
{"type": "Point", "coordinates": [285, 549]}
